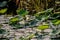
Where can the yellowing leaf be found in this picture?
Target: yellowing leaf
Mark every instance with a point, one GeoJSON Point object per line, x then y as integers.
{"type": "Point", "coordinates": [2, 11]}
{"type": "Point", "coordinates": [14, 20]}
{"type": "Point", "coordinates": [42, 27]}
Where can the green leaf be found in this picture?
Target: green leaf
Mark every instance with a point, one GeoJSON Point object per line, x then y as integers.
{"type": "Point", "coordinates": [31, 36]}
{"type": "Point", "coordinates": [56, 22]}
{"type": "Point", "coordinates": [14, 20]}
{"type": "Point", "coordinates": [42, 27]}
{"type": "Point", "coordinates": [49, 10]}
{"type": "Point", "coordinates": [22, 12]}
{"type": "Point", "coordinates": [2, 11]}
{"type": "Point", "coordinates": [2, 31]}
{"type": "Point", "coordinates": [1, 25]}
{"type": "Point", "coordinates": [16, 26]}
{"type": "Point", "coordinates": [44, 14]}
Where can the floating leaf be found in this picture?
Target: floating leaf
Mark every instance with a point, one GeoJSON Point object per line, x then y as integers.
{"type": "Point", "coordinates": [31, 36]}
{"type": "Point", "coordinates": [42, 27]}
{"type": "Point", "coordinates": [56, 22]}
{"type": "Point", "coordinates": [2, 31]}
{"type": "Point", "coordinates": [17, 26]}
{"type": "Point", "coordinates": [22, 12]}
{"type": "Point", "coordinates": [14, 20]}
{"type": "Point", "coordinates": [33, 23]}
{"type": "Point", "coordinates": [2, 11]}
